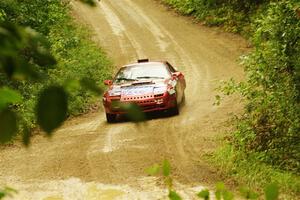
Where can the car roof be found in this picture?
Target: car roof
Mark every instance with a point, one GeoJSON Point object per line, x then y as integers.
{"type": "Point", "coordinates": [144, 63]}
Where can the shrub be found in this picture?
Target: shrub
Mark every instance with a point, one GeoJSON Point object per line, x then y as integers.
{"type": "Point", "coordinates": [77, 57]}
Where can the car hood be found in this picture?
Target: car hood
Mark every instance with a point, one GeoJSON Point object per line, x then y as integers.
{"type": "Point", "coordinates": [142, 89]}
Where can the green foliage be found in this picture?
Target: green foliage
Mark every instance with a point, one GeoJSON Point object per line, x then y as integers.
{"type": "Point", "coordinates": [8, 125]}
{"type": "Point", "coordinates": [31, 63]}
{"type": "Point", "coordinates": [2, 15]}
{"type": "Point", "coordinates": [166, 168]}
{"type": "Point", "coordinates": [7, 192]}
{"type": "Point", "coordinates": [133, 112]}
{"type": "Point", "coordinates": [248, 169]}
{"type": "Point", "coordinates": [9, 96]}
{"type": "Point", "coordinates": [26, 136]}
{"type": "Point", "coordinates": [90, 85]}
{"type": "Point", "coordinates": [186, 7]}
{"type": "Point", "coordinates": [269, 129]}
{"type": "Point", "coordinates": [247, 193]}
{"type": "Point", "coordinates": [52, 108]}
{"type": "Point", "coordinates": [222, 192]}
{"type": "Point", "coordinates": [234, 15]}
{"type": "Point", "coordinates": [271, 192]}
{"type": "Point", "coordinates": [271, 123]}
{"type": "Point", "coordinates": [89, 2]}
{"type": "Point", "coordinates": [174, 196]}
{"type": "Point", "coordinates": [33, 13]}
{"type": "Point", "coordinates": [22, 50]}
{"type": "Point", "coordinates": [79, 62]}
{"type": "Point", "coordinates": [153, 170]}
{"type": "Point", "coordinates": [204, 194]}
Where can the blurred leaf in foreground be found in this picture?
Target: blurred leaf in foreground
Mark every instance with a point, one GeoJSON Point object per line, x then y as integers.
{"type": "Point", "coordinates": [247, 193]}
{"type": "Point", "coordinates": [153, 170]}
{"type": "Point", "coordinates": [9, 96]}
{"type": "Point", "coordinates": [166, 168]}
{"type": "Point", "coordinates": [90, 85]}
{"type": "Point", "coordinates": [26, 136]}
{"type": "Point", "coordinates": [72, 85]}
{"type": "Point", "coordinates": [271, 192]}
{"type": "Point", "coordinates": [38, 49]}
{"type": "Point", "coordinates": [222, 192]}
{"type": "Point", "coordinates": [219, 188]}
{"type": "Point", "coordinates": [174, 196]}
{"type": "Point", "coordinates": [22, 49]}
{"type": "Point", "coordinates": [52, 108]}
{"type": "Point", "coordinates": [8, 125]}
{"type": "Point", "coordinates": [7, 192]}
{"type": "Point", "coordinates": [133, 112]}
{"type": "Point", "coordinates": [89, 2]}
{"type": "Point", "coordinates": [204, 194]}
{"type": "Point", "coordinates": [227, 195]}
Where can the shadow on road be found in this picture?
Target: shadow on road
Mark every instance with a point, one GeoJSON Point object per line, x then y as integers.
{"type": "Point", "coordinates": [149, 116]}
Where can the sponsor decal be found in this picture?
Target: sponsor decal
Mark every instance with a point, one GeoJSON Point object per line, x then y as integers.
{"type": "Point", "coordinates": [135, 91]}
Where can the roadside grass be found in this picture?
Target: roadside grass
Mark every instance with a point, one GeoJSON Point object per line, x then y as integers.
{"type": "Point", "coordinates": [228, 15]}
{"type": "Point", "coordinates": [77, 56]}
{"type": "Point", "coordinates": [248, 170]}
{"type": "Point", "coordinates": [82, 59]}
{"type": "Point", "coordinates": [272, 115]}
{"type": "Point", "coordinates": [52, 69]}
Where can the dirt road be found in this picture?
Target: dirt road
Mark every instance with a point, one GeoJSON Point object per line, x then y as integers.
{"type": "Point", "coordinates": [90, 159]}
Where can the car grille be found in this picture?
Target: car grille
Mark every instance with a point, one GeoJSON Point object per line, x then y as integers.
{"type": "Point", "coordinates": [136, 98]}
{"type": "Point", "coordinates": [146, 101]}
{"type": "Point", "coordinates": [148, 107]}
{"type": "Point", "coordinates": [158, 95]}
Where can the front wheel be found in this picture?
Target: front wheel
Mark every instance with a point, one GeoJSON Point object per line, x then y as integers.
{"type": "Point", "coordinates": [111, 118]}
{"type": "Point", "coordinates": [174, 110]}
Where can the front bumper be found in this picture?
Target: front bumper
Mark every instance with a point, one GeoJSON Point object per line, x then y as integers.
{"type": "Point", "coordinates": [160, 102]}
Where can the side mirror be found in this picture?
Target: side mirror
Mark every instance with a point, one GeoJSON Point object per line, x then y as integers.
{"type": "Point", "coordinates": [176, 74]}
{"type": "Point", "coordinates": [108, 82]}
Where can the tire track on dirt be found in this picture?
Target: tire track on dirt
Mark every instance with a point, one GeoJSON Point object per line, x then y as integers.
{"type": "Point", "coordinates": [120, 31]}
{"type": "Point", "coordinates": [163, 37]}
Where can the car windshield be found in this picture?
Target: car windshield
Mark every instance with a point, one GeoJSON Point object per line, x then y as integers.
{"type": "Point", "coordinates": [142, 71]}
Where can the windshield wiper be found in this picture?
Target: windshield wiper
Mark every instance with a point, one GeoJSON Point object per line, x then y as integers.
{"type": "Point", "coordinates": [125, 79]}
{"type": "Point", "coordinates": [151, 77]}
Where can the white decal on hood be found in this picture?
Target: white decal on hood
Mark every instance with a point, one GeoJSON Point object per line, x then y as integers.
{"type": "Point", "coordinates": [133, 91]}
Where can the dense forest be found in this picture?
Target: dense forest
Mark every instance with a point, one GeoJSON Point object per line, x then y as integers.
{"type": "Point", "coordinates": [41, 56]}
{"type": "Point", "coordinates": [268, 131]}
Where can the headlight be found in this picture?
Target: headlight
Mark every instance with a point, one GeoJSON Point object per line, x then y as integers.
{"type": "Point", "coordinates": [160, 90]}
{"type": "Point", "coordinates": [171, 91]}
{"type": "Point", "coordinates": [172, 85]}
{"type": "Point", "coordinates": [114, 93]}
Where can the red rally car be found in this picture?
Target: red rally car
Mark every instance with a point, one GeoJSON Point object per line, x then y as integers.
{"type": "Point", "coordinates": [153, 86]}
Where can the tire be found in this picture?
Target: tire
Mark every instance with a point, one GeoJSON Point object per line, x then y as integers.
{"type": "Point", "coordinates": [111, 118]}
{"type": "Point", "coordinates": [174, 110]}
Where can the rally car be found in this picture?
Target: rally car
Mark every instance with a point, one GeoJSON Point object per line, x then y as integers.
{"type": "Point", "coordinates": [153, 86]}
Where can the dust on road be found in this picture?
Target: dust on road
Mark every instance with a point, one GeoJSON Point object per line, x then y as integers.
{"type": "Point", "coordinates": [90, 159]}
